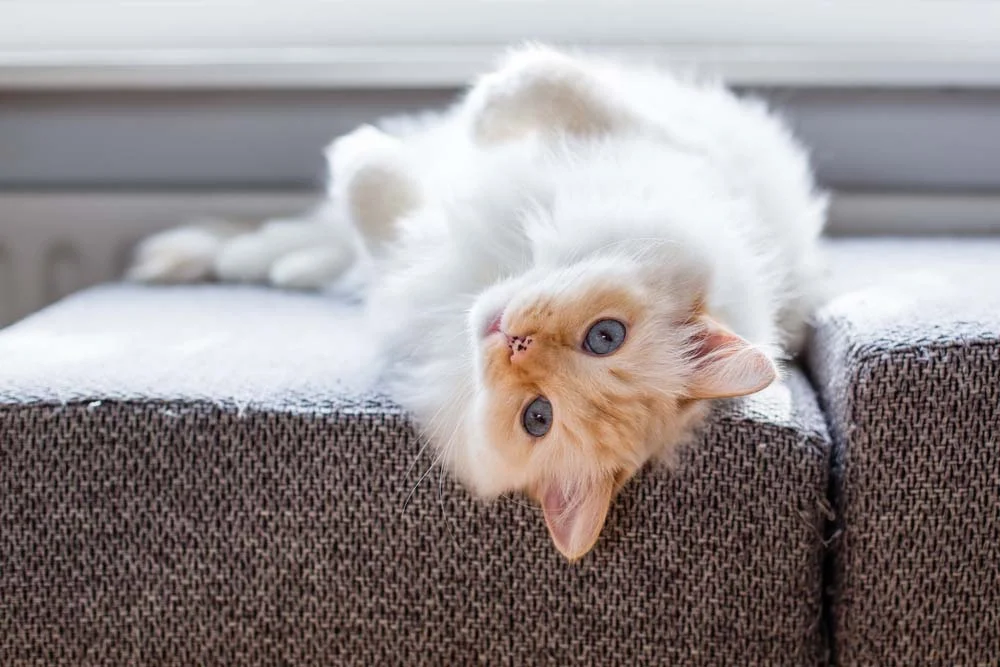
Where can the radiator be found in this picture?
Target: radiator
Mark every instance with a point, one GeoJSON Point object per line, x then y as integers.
{"type": "Point", "coordinates": [53, 244]}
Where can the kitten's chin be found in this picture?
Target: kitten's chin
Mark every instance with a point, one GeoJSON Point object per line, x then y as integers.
{"type": "Point", "coordinates": [479, 465]}
{"type": "Point", "coordinates": [486, 474]}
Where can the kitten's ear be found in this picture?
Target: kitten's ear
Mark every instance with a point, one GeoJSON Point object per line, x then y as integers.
{"type": "Point", "coordinates": [575, 519]}
{"type": "Point", "coordinates": [727, 365]}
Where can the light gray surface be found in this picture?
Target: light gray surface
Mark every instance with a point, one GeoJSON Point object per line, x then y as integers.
{"type": "Point", "coordinates": [224, 345]}
{"type": "Point", "coordinates": [906, 359]}
{"type": "Point", "coordinates": [260, 517]}
{"type": "Point", "coordinates": [905, 140]}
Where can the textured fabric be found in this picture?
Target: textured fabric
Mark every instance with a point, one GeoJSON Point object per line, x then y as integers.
{"type": "Point", "coordinates": [196, 505]}
{"type": "Point", "coordinates": [907, 361]}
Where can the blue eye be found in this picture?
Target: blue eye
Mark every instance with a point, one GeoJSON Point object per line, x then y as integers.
{"type": "Point", "coordinates": [537, 417]}
{"type": "Point", "coordinates": [604, 337]}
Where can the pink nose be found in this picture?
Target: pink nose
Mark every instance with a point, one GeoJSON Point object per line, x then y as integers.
{"type": "Point", "coordinates": [518, 346]}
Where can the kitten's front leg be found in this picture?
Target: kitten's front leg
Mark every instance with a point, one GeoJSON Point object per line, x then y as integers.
{"type": "Point", "coordinates": [184, 254]}
{"type": "Point", "coordinates": [306, 253]}
{"type": "Point", "coordinates": [371, 188]}
{"type": "Point", "coordinates": [541, 90]}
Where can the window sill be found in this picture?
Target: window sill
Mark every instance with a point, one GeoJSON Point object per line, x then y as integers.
{"type": "Point", "coordinates": [368, 67]}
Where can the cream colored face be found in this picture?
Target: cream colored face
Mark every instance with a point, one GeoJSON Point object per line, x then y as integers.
{"type": "Point", "coordinates": [577, 418]}
{"type": "Point", "coordinates": [585, 377]}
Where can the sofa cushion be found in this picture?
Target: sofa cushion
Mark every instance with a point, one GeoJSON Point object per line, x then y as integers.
{"type": "Point", "coordinates": [906, 358]}
{"type": "Point", "coordinates": [190, 476]}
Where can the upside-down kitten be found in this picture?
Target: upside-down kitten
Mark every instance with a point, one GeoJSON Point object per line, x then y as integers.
{"type": "Point", "coordinates": [565, 268]}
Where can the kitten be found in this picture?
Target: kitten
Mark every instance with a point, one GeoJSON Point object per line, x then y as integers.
{"type": "Point", "coordinates": [566, 268]}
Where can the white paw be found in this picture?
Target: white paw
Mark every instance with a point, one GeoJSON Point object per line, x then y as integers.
{"type": "Point", "coordinates": [286, 253]}
{"type": "Point", "coordinates": [313, 268]}
{"type": "Point", "coordinates": [523, 74]}
{"type": "Point", "coordinates": [366, 146]}
{"type": "Point", "coordinates": [372, 183]}
{"type": "Point", "coordinates": [528, 66]}
{"type": "Point", "coordinates": [537, 89]}
{"type": "Point", "coordinates": [179, 255]}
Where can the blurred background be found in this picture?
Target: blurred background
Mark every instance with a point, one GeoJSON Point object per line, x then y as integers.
{"type": "Point", "coordinates": [119, 118]}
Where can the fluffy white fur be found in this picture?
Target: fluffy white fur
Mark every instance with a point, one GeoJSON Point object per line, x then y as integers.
{"type": "Point", "coordinates": [554, 175]}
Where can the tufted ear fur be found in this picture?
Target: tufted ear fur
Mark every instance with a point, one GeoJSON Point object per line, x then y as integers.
{"type": "Point", "coordinates": [575, 517]}
{"type": "Point", "coordinates": [725, 364]}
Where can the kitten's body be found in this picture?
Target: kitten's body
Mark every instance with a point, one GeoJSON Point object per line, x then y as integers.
{"type": "Point", "coordinates": [559, 192]}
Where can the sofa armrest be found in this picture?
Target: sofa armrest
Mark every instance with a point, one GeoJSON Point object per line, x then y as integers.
{"type": "Point", "coordinates": [184, 480]}
{"type": "Point", "coordinates": [906, 360]}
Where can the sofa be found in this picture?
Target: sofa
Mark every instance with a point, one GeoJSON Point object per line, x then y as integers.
{"type": "Point", "coordinates": [190, 475]}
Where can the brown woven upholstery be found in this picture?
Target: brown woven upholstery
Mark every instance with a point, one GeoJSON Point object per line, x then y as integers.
{"type": "Point", "coordinates": [907, 361]}
{"type": "Point", "coordinates": [221, 502]}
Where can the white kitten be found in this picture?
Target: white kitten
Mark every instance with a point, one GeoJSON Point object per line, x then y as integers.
{"type": "Point", "coordinates": [567, 265]}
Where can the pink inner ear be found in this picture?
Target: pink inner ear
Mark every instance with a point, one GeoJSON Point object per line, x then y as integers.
{"type": "Point", "coordinates": [715, 340]}
{"type": "Point", "coordinates": [558, 513]}
{"type": "Point", "coordinates": [727, 365]}
{"type": "Point", "coordinates": [575, 521]}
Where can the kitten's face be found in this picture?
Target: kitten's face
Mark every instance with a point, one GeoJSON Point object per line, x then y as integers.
{"type": "Point", "coordinates": [584, 373]}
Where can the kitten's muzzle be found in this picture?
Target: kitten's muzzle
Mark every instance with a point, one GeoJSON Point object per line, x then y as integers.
{"type": "Point", "coordinates": [519, 346]}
